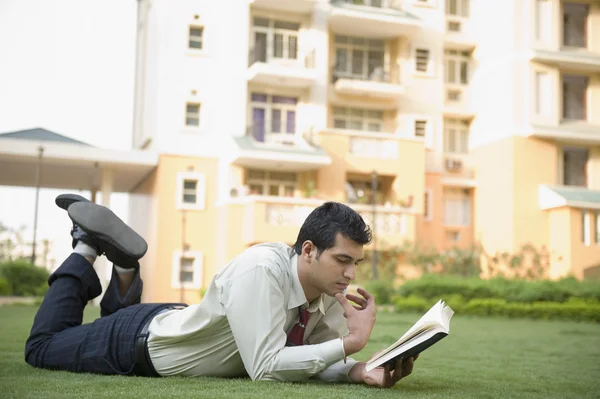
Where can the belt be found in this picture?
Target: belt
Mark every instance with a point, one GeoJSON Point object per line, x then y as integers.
{"type": "Point", "coordinates": [143, 364]}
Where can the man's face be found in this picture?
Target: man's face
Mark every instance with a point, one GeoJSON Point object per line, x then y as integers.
{"type": "Point", "coordinates": [335, 267]}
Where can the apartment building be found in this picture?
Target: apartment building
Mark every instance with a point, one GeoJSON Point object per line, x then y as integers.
{"type": "Point", "coordinates": [261, 110]}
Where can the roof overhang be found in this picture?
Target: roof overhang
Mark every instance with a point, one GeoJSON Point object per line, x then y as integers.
{"type": "Point", "coordinates": [552, 197]}
{"type": "Point", "coordinates": [71, 166]}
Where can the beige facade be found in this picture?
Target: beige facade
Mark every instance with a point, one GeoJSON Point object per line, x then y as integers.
{"type": "Point", "coordinates": [477, 120]}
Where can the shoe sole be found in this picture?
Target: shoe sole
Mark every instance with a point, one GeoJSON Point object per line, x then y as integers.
{"type": "Point", "coordinates": [65, 200]}
{"type": "Point", "coordinates": [111, 233]}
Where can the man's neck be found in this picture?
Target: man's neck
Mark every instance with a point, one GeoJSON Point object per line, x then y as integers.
{"type": "Point", "coordinates": [310, 292]}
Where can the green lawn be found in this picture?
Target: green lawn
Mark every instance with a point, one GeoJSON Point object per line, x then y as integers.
{"type": "Point", "coordinates": [482, 358]}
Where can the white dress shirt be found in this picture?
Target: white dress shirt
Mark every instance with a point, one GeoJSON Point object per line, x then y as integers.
{"type": "Point", "coordinates": [240, 327]}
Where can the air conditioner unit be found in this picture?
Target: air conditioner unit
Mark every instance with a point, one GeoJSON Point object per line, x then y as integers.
{"type": "Point", "coordinates": [454, 26]}
{"type": "Point", "coordinates": [238, 191]}
{"type": "Point", "coordinates": [453, 165]}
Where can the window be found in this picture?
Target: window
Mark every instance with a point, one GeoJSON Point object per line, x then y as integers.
{"type": "Point", "coordinates": [457, 8]}
{"type": "Point", "coordinates": [456, 136]}
{"type": "Point", "coordinates": [190, 190]}
{"type": "Point", "coordinates": [574, 166]}
{"type": "Point", "coordinates": [422, 60]}
{"type": "Point", "coordinates": [457, 66]}
{"type": "Point", "coordinates": [543, 94]}
{"type": "Point", "coordinates": [187, 270]}
{"type": "Point", "coordinates": [359, 58]}
{"type": "Point", "coordinates": [195, 40]}
{"type": "Point", "coordinates": [273, 116]}
{"type": "Point", "coordinates": [543, 21]}
{"type": "Point", "coordinates": [586, 228]}
{"type": "Point", "coordinates": [457, 207]}
{"type": "Point", "coordinates": [275, 39]}
{"type": "Point", "coordinates": [278, 184]}
{"type": "Point", "coordinates": [358, 119]}
{"type": "Point", "coordinates": [453, 235]}
{"type": "Point", "coordinates": [428, 205]}
{"type": "Point", "coordinates": [574, 97]}
{"type": "Point", "coordinates": [420, 128]}
{"type": "Point", "coordinates": [575, 24]}
{"type": "Point", "coordinates": [192, 114]}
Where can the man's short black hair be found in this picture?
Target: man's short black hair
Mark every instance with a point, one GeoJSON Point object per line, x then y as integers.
{"type": "Point", "coordinates": [323, 223]}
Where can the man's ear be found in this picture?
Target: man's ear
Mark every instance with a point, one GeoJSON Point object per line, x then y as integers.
{"type": "Point", "coordinates": [308, 249]}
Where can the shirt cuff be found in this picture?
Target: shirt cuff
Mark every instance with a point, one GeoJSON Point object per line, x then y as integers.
{"type": "Point", "coordinates": [332, 351]}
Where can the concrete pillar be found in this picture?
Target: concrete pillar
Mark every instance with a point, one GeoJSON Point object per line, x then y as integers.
{"type": "Point", "coordinates": [103, 265]}
{"type": "Point", "coordinates": [318, 91]}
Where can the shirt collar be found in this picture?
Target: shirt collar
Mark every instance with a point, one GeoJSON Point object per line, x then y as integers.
{"type": "Point", "coordinates": [297, 297]}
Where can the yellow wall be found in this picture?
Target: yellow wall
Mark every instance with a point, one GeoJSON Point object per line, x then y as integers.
{"type": "Point", "coordinates": [582, 256]}
{"type": "Point", "coordinates": [535, 163]}
{"type": "Point", "coordinates": [593, 169]}
{"type": "Point", "coordinates": [560, 243]}
{"type": "Point", "coordinates": [200, 225]}
{"type": "Point", "coordinates": [494, 203]}
{"type": "Point", "coordinates": [594, 97]}
{"type": "Point", "coordinates": [507, 209]}
{"type": "Point", "coordinates": [430, 232]}
{"type": "Point", "coordinates": [594, 27]}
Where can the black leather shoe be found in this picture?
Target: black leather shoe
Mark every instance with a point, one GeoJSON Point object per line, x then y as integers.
{"type": "Point", "coordinates": [119, 242]}
{"type": "Point", "coordinates": [64, 201]}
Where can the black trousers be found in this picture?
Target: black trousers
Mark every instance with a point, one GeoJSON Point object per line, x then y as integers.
{"type": "Point", "coordinates": [59, 341]}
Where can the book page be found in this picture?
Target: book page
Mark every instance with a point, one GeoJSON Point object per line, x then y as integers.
{"type": "Point", "coordinates": [437, 317]}
{"type": "Point", "coordinates": [398, 350]}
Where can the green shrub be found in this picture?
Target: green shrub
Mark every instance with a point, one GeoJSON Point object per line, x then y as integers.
{"type": "Point", "coordinates": [576, 309]}
{"type": "Point", "coordinates": [382, 290]}
{"type": "Point", "coordinates": [23, 278]}
{"type": "Point", "coordinates": [4, 287]}
{"type": "Point", "coordinates": [437, 287]}
{"type": "Point", "coordinates": [522, 291]}
{"type": "Point", "coordinates": [412, 304]}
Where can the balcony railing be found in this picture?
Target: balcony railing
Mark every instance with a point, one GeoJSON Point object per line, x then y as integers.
{"type": "Point", "coordinates": [261, 53]}
{"type": "Point", "coordinates": [292, 212]}
{"type": "Point", "coordinates": [376, 4]}
{"type": "Point", "coordinates": [380, 74]}
{"type": "Point", "coordinates": [380, 147]}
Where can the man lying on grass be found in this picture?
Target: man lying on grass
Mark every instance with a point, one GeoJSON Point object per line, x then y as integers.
{"type": "Point", "coordinates": [272, 313]}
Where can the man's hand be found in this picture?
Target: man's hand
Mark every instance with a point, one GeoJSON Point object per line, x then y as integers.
{"type": "Point", "coordinates": [382, 377]}
{"type": "Point", "coordinates": [361, 318]}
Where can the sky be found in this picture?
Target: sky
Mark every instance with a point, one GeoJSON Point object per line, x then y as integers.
{"type": "Point", "coordinates": [66, 66]}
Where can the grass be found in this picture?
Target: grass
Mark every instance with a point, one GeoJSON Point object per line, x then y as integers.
{"type": "Point", "coordinates": [482, 358]}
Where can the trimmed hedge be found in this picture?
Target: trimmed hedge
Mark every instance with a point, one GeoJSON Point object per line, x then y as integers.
{"type": "Point", "coordinates": [23, 279]}
{"type": "Point", "coordinates": [434, 287]}
{"type": "Point", "coordinates": [573, 309]}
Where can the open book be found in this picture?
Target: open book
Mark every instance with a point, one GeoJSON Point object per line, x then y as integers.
{"type": "Point", "coordinates": [433, 326]}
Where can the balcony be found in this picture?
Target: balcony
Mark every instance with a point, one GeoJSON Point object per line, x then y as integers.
{"type": "Point", "coordinates": [457, 101]}
{"type": "Point", "coordinates": [290, 72]}
{"type": "Point", "coordinates": [372, 18]}
{"type": "Point", "coordinates": [573, 132]}
{"type": "Point", "coordinates": [363, 152]}
{"type": "Point", "coordinates": [568, 58]}
{"type": "Point", "coordinates": [382, 83]}
{"type": "Point", "coordinates": [290, 6]}
{"type": "Point", "coordinates": [456, 169]}
{"type": "Point", "coordinates": [268, 218]}
{"type": "Point", "coordinates": [263, 149]}
{"type": "Point", "coordinates": [459, 33]}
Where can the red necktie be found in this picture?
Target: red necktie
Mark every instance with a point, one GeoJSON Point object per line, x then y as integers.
{"type": "Point", "coordinates": [296, 334]}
